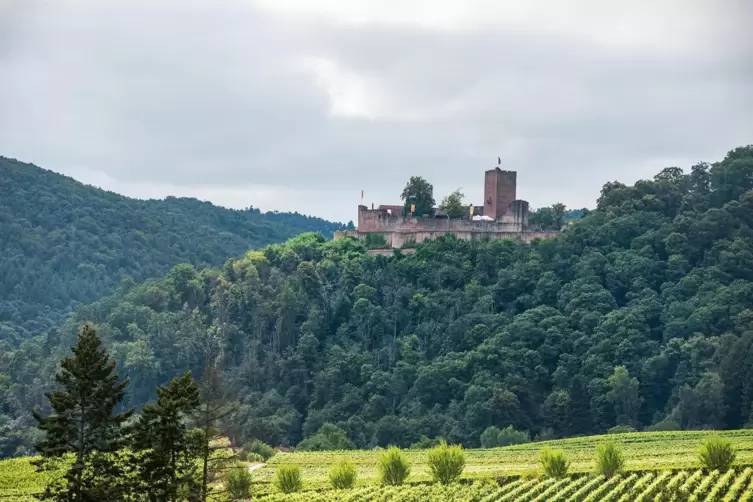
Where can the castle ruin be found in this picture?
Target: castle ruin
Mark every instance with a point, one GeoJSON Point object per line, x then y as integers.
{"type": "Point", "coordinates": [502, 216]}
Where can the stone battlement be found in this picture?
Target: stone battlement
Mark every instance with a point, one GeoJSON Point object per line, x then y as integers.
{"type": "Point", "coordinates": [381, 220]}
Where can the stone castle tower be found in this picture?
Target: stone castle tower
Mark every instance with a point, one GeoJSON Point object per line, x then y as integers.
{"type": "Point", "coordinates": [499, 192]}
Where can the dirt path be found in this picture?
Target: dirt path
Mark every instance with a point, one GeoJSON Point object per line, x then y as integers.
{"type": "Point", "coordinates": [253, 467]}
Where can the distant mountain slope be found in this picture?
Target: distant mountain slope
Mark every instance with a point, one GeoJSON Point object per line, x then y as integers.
{"type": "Point", "coordinates": [63, 243]}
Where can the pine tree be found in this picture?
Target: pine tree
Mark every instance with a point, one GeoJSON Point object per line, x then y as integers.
{"type": "Point", "coordinates": [216, 408]}
{"type": "Point", "coordinates": [167, 451]}
{"type": "Point", "coordinates": [85, 426]}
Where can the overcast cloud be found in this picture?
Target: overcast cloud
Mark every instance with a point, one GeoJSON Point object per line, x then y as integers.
{"type": "Point", "coordinates": [301, 104]}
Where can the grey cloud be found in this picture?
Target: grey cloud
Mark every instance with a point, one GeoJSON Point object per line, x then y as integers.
{"type": "Point", "coordinates": [213, 94]}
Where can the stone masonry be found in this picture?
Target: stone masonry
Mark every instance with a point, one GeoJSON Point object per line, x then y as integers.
{"type": "Point", "coordinates": [506, 217]}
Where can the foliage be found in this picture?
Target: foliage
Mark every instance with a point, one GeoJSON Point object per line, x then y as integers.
{"type": "Point", "coordinates": [166, 463]}
{"type": "Point", "coordinates": [393, 466]}
{"type": "Point", "coordinates": [624, 395]}
{"type": "Point", "coordinates": [238, 483]}
{"type": "Point", "coordinates": [717, 454]}
{"type": "Point", "coordinates": [84, 424]}
{"type": "Point", "coordinates": [454, 206]}
{"type": "Point", "coordinates": [252, 457]}
{"type": "Point", "coordinates": [609, 459]}
{"type": "Point", "coordinates": [288, 479]}
{"type": "Point", "coordinates": [493, 437]}
{"type": "Point", "coordinates": [375, 241]}
{"type": "Point", "coordinates": [343, 474]}
{"type": "Point", "coordinates": [554, 463]}
{"type": "Point", "coordinates": [425, 443]}
{"type": "Point", "coordinates": [621, 429]}
{"type": "Point", "coordinates": [329, 437]}
{"type": "Point", "coordinates": [552, 218]}
{"type": "Point", "coordinates": [260, 448]}
{"type": "Point", "coordinates": [446, 462]}
{"type": "Point", "coordinates": [419, 193]}
{"type": "Point", "coordinates": [65, 244]}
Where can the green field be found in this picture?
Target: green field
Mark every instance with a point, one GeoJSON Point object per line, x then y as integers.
{"type": "Point", "coordinates": [653, 461]}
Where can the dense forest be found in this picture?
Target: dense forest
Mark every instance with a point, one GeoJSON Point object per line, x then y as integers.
{"type": "Point", "coordinates": [638, 315]}
{"type": "Point", "coordinates": [63, 243]}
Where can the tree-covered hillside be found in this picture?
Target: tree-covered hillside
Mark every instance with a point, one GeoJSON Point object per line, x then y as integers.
{"type": "Point", "coordinates": [63, 243]}
{"type": "Point", "coordinates": [640, 315]}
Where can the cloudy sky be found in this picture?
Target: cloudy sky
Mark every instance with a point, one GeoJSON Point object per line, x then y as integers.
{"type": "Point", "coordinates": [301, 104]}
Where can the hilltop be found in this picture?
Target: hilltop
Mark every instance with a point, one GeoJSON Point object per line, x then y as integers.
{"type": "Point", "coordinates": [638, 315]}
{"type": "Point", "coordinates": [64, 244]}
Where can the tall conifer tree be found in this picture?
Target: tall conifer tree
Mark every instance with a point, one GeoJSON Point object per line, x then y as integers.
{"type": "Point", "coordinates": [166, 464]}
{"type": "Point", "coordinates": [84, 425]}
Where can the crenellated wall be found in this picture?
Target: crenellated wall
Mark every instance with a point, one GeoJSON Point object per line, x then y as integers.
{"type": "Point", "coordinates": [376, 220]}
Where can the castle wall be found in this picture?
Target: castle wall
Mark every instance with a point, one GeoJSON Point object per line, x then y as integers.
{"type": "Point", "coordinates": [396, 239]}
{"type": "Point", "coordinates": [370, 220]}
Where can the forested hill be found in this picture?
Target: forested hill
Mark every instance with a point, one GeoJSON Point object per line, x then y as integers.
{"type": "Point", "coordinates": [640, 314]}
{"type": "Point", "coordinates": [63, 243]}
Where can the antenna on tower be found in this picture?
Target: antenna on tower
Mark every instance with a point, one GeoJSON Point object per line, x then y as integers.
{"type": "Point", "coordinates": [499, 161]}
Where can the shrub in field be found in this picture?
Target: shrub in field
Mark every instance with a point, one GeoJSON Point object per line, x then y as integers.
{"type": "Point", "coordinates": [288, 479]}
{"type": "Point", "coordinates": [609, 459]}
{"type": "Point", "coordinates": [238, 483]}
{"type": "Point", "coordinates": [446, 463]}
{"type": "Point", "coordinates": [393, 466]}
{"type": "Point", "coordinates": [493, 437]}
{"type": "Point", "coordinates": [621, 429]}
{"type": "Point", "coordinates": [717, 454]}
{"type": "Point", "coordinates": [554, 463]}
{"type": "Point", "coordinates": [260, 448]}
{"type": "Point", "coordinates": [343, 475]}
{"type": "Point", "coordinates": [664, 425]}
{"type": "Point", "coordinates": [424, 443]}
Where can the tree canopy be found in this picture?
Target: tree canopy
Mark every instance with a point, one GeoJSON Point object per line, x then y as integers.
{"type": "Point", "coordinates": [419, 193]}
{"type": "Point", "coordinates": [64, 244]}
{"type": "Point", "coordinates": [453, 205]}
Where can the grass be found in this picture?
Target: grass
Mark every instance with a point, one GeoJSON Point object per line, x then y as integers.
{"type": "Point", "coordinates": [644, 451]}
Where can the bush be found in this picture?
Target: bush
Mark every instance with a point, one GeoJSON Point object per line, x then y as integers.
{"type": "Point", "coordinates": [621, 429]}
{"type": "Point", "coordinates": [288, 479]}
{"type": "Point", "coordinates": [424, 443]}
{"type": "Point", "coordinates": [446, 463]}
{"type": "Point", "coordinates": [329, 437]}
{"type": "Point", "coordinates": [717, 454]}
{"type": "Point", "coordinates": [343, 475]}
{"type": "Point", "coordinates": [260, 448]}
{"type": "Point", "coordinates": [664, 425]}
{"type": "Point", "coordinates": [493, 437]}
{"type": "Point", "coordinates": [609, 459]}
{"type": "Point", "coordinates": [393, 467]}
{"type": "Point", "coordinates": [238, 483]}
{"type": "Point", "coordinates": [554, 463]}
